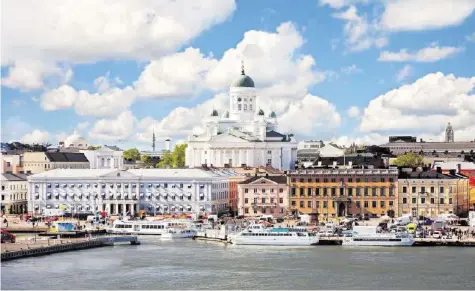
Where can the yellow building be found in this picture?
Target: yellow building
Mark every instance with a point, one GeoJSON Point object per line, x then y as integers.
{"type": "Point", "coordinates": [330, 193]}
{"type": "Point", "coordinates": [38, 162]}
{"type": "Point", "coordinates": [431, 193]}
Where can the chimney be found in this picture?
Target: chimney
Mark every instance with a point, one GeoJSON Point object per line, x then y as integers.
{"type": "Point", "coordinates": [459, 168]}
{"type": "Point", "coordinates": [319, 163]}
{"type": "Point", "coordinates": [452, 172]}
{"type": "Point", "coordinates": [350, 164]}
{"type": "Point", "coordinates": [439, 170]}
{"type": "Point", "coordinates": [167, 144]}
{"type": "Point", "coordinates": [334, 164]}
{"type": "Point", "coordinates": [267, 175]}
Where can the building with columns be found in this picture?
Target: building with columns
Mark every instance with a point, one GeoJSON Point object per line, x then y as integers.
{"type": "Point", "coordinates": [242, 136]}
{"type": "Point", "coordinates": [106, 157]}
{"type": "Point", "coordinates": [157, 191]}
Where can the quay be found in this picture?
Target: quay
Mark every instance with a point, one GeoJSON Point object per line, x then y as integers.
{"type": "Point", "coordinates": [46, 247]}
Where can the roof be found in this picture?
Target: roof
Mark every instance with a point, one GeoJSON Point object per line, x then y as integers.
{"type": "Point", "coordinates": [274, 133]}
{"type": "Point", "coordinates": [73, 173]}
{"type": "Point", "coordinates": [67, 157]}
{"type": "Point", "coordinates": [114, 148]}
{"type": "Point", "coordinates": [14, 177]}
{"type": "Point", "coordinates": [277, 179]}
{"type": "Point", "coordinates": [243, 81]}
{"type": "Point", "coordinates": [425, 175]}
{"type": "Point", "coordinates": [454, 165]}
{"type": "Point", "coordinates": [172, 173]}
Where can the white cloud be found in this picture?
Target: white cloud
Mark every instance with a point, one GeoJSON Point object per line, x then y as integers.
{"type": "Point", "coordinates": [404, 73]}
{"type": "Point", "coordinates": [95, 30]}
{"type": "Point", "coordinates": [27, 75]}
{"type": "Point", "coordinates": [353, 112]}
{"type": "Point", "coordinates": [369, 139]}
{"type": "Point", "coordinates": [471, 37]}
{"type": "Point", "coordinates": [338, 4]}
{"type": "Point", "coordinates": [429, 54]}
{"type": "Point", "coordinates": [35, 137]}
{"type": "Point", "coordinates": [360, 34]}
{"type": "Point", "coordinates": [412, 15]}
{"type": "Point", "coordinates": [177, 74]}
{"type": "Point", "coordinates": [103, 104]}
{"type": "Point", "coordinates": [82, 125]}
{"type": "Point", "coordinates": [353, 69]}
{"type": "Point", "coordinates": [424, 106]}
{"type": "Point", "coordinates": [120, 128]}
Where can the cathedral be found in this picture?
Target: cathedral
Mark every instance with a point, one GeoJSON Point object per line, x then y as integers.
{"type": "Point", "coordinates": [243, 136]}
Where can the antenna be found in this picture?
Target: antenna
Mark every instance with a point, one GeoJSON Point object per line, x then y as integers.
{"type": "Point", "coordinates": [242, 67]}
{"type": "Point", "coordinates": [153, 139]}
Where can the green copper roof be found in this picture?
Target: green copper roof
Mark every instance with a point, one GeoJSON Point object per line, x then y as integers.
{"type": "Point", "coordinates": [273, 115]}
{"type": "Point", "coordinates": [214, 113]}
{"type": "Point", "coordinates": [261, 112]}
{"type": "Point", "coordinates": [243, 81]}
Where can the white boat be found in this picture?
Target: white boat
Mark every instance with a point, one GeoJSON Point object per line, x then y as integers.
{"type": "Point", "coordinates": [258, 234]}
{"type": "Point", "coordinates": [145, 227]}
{"type": "Point", "coordinates": [368, 236]}
{"type": "Point", "coordinates": [179, 233]}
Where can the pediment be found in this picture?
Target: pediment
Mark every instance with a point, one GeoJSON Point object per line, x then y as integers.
{"type": "Point", "coordinates": [225, 138]}
{"type": "Point", "coordinates": [263, 180]}
{"type": "Point", "coordinates": [119, 174]}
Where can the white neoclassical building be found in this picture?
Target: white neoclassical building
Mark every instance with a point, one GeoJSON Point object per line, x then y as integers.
{"type": "Point", "coordinates": [158, 191]}
{"type": "Point", "coordinates": [106, 157]}
{"type": "Point", "coordinates": [242, 136]}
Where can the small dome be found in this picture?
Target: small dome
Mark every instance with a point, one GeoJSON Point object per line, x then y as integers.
{"type": "Point", "coordinates": [243, 81]}
{"type": "Point", "coordinates": [214, 113]}
{"type": "Point", "coordinates": [273, 115]}
{"type": "Point", "coordinates": [261, 112]}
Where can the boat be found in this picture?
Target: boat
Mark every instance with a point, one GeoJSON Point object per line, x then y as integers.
{"type": "Point", "coordinates": [258, 234]}
{"type": "Point", "coordinates": [368, 236]}
{"type": "Point", "coordinates": [179, 233]}
{"type": "Point", "coordinates": [145, 227]}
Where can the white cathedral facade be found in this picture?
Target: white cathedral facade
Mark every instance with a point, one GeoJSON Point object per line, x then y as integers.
{"type": "Point", "coordinates": [242, 136]}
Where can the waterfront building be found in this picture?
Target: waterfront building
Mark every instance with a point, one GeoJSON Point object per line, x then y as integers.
{"type": "Point", "coordinates": [157, 191]}
{"type": "Point", "coordinates": [14, 193]}
{"type": "Point", "coordinates": [339, 192]}
{"type": "Point", "coordinates": [38, 162]}
{"type": "Point", "coordinates": [242, 136]}
{"type": "Point", "coordinates": [11, 163]}
{"type": "Point", "coordinates": [464, 168]}
{"type": "Point", "coordinates": [402, 145]}
{"type": "Point", "coordinates": [106, 157]}
{"type": "Point", "coordinates": [431, 193]}
{"type": "Point", "coordinates": [263, 195]}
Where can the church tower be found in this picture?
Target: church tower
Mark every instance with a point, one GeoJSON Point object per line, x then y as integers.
{"type": "Point", "coordinates": [242, 98]}
{"type": "Point", "coordinates": [449, 133]}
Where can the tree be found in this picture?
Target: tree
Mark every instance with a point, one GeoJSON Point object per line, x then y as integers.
{"type": "Point", "coordinates": [147, 161]}
{"type": "Point", "coordinates": [409, 160]}
{"type": "Point", "coordinates": [175, 159]}
{"type": "Point", "coordinates": [132, 154]}
{"type": "Point", "coordinates": [93, 148]}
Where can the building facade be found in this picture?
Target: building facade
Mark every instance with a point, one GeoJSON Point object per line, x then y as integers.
{"type": "Point", "coordinates": [14, 193]}
{"type": "Point", "coordinates": [157, 191]}
{"type": "Point", "coordinates": [11, 164]}
{"type": "Point", "coordinates": [38, 162]}
{"type": "Point", "coordinates": [106, 157]}
{"type": "Point", "coordinates": [263, 195]}
{"type": "Point", "coordinates": [327, 193]}
{"type": "Point", "coordinates": [431, 193]}
{"type": "Point", "coordinates": [242, 136]}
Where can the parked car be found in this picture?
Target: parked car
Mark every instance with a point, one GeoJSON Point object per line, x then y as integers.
{"type": "Point", "coordinates": [437, 234]}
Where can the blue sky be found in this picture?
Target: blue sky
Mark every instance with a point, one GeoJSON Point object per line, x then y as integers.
{"type": "Point", "coordinates": [342, 70]}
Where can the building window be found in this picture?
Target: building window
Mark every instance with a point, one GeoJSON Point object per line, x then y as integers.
{"type": "Point", "coordinates": [382, 191]}
{"type": "Point", "coordinates": [325, 180]}
{"type": "Point", "coordinates": [333, 192]}
{"type": "Point", "coordinates": [293, 180]}
{"type": "Point", "coordinates": [404, 200]}
{"type": "Point", "coordinates": [293, 192]}
{"type": "Point", "coordinates": [358, 189]}
{"type": "Point", "coordinates": [450, 200]}
{"type": "Point", "coordinates": [391, 203]}
{"type": "Point", "coordinates": [350, 191]}
{"type": "Point", "coordinates": [391, 191]}
{"type": "Point", "coordinates": [309, 191]}
{"type": "Point", "coordinates": [391, 180]}
{"type": "Point", "coordinates": [324, 204]}
{"type": "Point", "coordinates": [350, 180]}
{"type": "Point", "coordinates": [271, 190]}
{"type": "Point", "coordinates": [281, 200]}
{"type": "Point", "coordinates": [414, 190]}
{"type": "Point", "coordinates": [302, 204]}
{"type": "Point", "coordinates": [414, 200]}
{"type": "Point", "coordinates": [423, 200]}
{"type": "Point", "coordinates": [383, 180]}
{"type": "Point", "coordinates": [281, 190]}
{"type": "Point", "coordinates": [255, 190]}
{"type": "Point", "coordinates": [342, 191]}
{"type": "Point", "coordinates": [292, 203]}
{"type": "Point", "coordinates": [269, 152]}
{"type": "Point", "coordinates": [358, 180]}
{"type": "Point", "coordinates": [246, 190]}
{"type": "Point", "coordinates": [358, 204]}
{"type": "Point", "coordinates": [246, 200]}
{"type": "Point", "coordinates": [432, 189]}
{"type": "Point", "coordinates": [373, 204]}
{"type": "Point", "coordinates": [441, 201]}
{"type": "Point", "coordinates": [374, 192]}
{"type": "Point", "coordinates": [333, 180]}
{"type": "Point", "coordinates": [301, 180]}
{"type": "Point", "coordinates": [269, 161]}
{"type": "Point", "coordinates": [245, 106]}
{"type": "Point", "coordinates": [381, 204]}
{"type": "Point", "coordinates": [366, 191]}
{"type": "Point", "coordinates": [317, 191]}
{"type": "Point", "coordinates": [366, 204]}
{"type": "Point", "coordinates": [239, 106]}
{"type": "Point", "coordinates": [325, 192]}
{"type": "Point", "coordinates": [441, 190]}
{"type": "Point", "coordinates": [432, 200]}
{"type": "Point", "coordinates": [302, 191]}
{"type": "Point", "coordinates": [423, 189]}
{"type": "Point", "coordinates": [404, 189]}
{"type": "Point", "coordinates": [263, 200]}
{"type": "Point", "coordinates": [263, 190]}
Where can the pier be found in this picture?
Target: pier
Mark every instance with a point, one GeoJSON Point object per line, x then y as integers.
{"type": "Point", "coordinates": [46, 247]}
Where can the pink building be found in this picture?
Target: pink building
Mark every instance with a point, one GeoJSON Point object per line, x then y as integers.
{"type": "Point", "coordinates": [263, 195]}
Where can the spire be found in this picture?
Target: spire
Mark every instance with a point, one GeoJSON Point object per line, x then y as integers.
{"type": "Point", "coordinates": [242, 67]}
{"type": "Point", "coordinates": [153, 139]}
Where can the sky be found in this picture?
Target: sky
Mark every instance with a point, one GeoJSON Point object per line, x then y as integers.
{"type": "Point", "coordinates": [340, 70]}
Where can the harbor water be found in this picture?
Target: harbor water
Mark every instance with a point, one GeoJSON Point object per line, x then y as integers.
{"type": "Point", "coordinates": [188, 264]}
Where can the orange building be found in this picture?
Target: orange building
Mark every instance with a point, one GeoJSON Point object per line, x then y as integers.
{"type": "Point", "coordinates": [330, 193]}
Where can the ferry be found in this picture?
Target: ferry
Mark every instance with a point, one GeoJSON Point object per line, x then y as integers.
{"type": "Point", "coordinates": [179, 233]}
{"type": "Point", "coordinates": [368, 236]}
{"type": "Point", "coordinates": [258, 234]}
{"type": "Point", "coordinates": [145, 227]}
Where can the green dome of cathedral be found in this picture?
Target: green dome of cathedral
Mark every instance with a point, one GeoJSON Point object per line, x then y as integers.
{"type": "Point", "coordinates": [243, 80]}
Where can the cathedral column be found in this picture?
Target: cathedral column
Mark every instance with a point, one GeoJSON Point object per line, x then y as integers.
{"type": "Point", "coordinates": [211, 157]}
{"type": "Point", "coordinates": [233, 157]}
